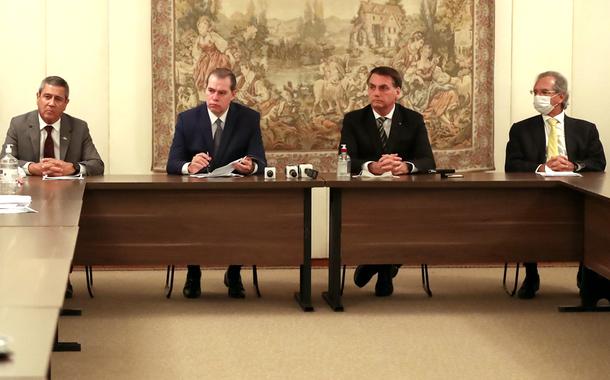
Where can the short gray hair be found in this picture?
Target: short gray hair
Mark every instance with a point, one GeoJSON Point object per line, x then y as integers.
{"type": "Point", "coordinates": [55, 81]}
{"type": "Point", "coordinates": [561, 85]}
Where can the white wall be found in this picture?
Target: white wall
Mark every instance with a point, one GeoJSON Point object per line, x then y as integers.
{"type": "Point", "coordinates": [102, 48]}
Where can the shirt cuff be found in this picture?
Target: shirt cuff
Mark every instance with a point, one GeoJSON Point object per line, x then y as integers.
{"type": "Point", "coordinates": [83, 170]}
{"type": "Point", "coordinates": [413, 168]}
{"type": "Point", "coordinates": [185, 168]}
{"type": "Point", "coordinates": [365, 167]}
{"type": "Point", "coordinates": [25, 168]}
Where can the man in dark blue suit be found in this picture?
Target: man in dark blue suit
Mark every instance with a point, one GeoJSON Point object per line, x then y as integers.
{"type": "Point", "coordinates": [213, 135]}
{"type": "Point", "coordinates": [551, 139]}
{"type": "Point", "coordinates": [385, 137]}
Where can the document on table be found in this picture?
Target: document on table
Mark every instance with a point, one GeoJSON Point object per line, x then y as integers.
{"type": "Point", "coordinates": [15, 204]}
{"type": "Point", "coordinates": [223, 171]}
{"type": "Point", "coordinates": [63, 177]}
{"type": "Point", "coordinates": [367, 174]}
{"type": "Point", "coordinates": [551, 173]}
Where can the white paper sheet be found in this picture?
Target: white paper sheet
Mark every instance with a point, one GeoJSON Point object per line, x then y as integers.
{"type": "Point", "coordinates": [223, 171]}
{"type": "Point", "coordinates": [551, 173]}
{"type": "Point", "coordinates": [63, 177]}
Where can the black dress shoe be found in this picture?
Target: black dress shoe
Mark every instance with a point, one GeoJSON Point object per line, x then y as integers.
{"type": "Point", "coordinates": [384, 286]}
{"type": "Point", "coordinates": [69, 290]}
{"type": "Point", "coordinates": [394, 270]}
{"type": "Point", "coordinates": [593, 288]}
{"type": "Point", "coordinates": [528, 289]}
{"type": "Point", "coordinates": [363, 274]}
{"type": "Point", "coordinates": [192, 286]}
{"type": "Point", "coordinates": [233, 282]}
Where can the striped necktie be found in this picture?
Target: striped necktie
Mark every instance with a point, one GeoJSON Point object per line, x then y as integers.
{"type": "Point", "coordinates": [382, 135]}
{"type": "Point", "coordinates": [552, 147]}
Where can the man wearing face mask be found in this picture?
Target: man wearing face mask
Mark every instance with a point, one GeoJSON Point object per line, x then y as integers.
{"type": "Point", "coordinates": [551, 140]}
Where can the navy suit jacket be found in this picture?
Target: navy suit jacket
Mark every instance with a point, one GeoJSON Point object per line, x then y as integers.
{"type": "Point", "coordinates": [408, 138]}
{"type": "Point", "coordinates": [241, 136]}
{"type": "Point", "coordinates": [526, 148]}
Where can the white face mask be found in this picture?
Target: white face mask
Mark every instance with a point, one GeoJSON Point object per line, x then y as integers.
{"type": "Point", "coordinates": [543, 104]}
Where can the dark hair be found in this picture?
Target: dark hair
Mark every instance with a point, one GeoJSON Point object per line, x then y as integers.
{"type": "Point", "coordinates": [387, 71]}
{"type": "Point", "coordinates": [221, 73]}
{"type": "Point", "coordinates": [560, 86]}
{"type": "Point", "coordinates": [55, 81]}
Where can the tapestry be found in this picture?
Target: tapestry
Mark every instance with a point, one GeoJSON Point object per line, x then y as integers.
{"type": "Point", "coordinates": [304, 64]}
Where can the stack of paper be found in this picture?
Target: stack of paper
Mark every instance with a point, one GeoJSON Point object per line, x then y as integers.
{"type": "Point", "coordinates": [15, 204]}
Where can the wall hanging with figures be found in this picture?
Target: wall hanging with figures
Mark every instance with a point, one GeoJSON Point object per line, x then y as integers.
{"type": "Point", "coordinates": [303, 65]}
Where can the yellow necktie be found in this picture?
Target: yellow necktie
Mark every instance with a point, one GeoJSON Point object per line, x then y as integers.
{"type": "Point", "coordinates": [552, 148]}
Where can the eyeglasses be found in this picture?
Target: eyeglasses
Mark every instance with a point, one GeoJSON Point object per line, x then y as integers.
{"type": "Point", "coordinates": [543, 92]}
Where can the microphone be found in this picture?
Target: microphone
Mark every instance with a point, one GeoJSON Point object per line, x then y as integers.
{"type": "Point", "coordinates": [311, 173]}
{"type": "Point", "coordinates": [292, 171]}
{"type": "Point", "coordinates": [269, 172]}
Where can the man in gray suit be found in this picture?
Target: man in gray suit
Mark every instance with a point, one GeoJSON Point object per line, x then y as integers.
{"type": "Point", "coordinates": [49, 142]}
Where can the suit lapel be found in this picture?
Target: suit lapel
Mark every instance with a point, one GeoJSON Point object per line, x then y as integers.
{"type": "Point", "coordinates": [569, 131]}
{"type": "Point", "coordinates": [397, 123]}
{"type": "Point", "coordinates": [207, 129]}
{"type": "Point", "coordinates": [65, 135]}
{"type": "Point", "coordinates": [370, 125]}
{"type": "Point", "coordinates": [34, 132]}
{"type": "Point", "coordinates": [227, 131]}
{"type": "Point", "coordinates": [540, 138]}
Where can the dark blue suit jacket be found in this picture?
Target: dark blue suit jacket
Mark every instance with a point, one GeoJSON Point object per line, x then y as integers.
{"type": "Point", "coordinates": [408, 138]}
{"type": "Point", "coordinates": [526, 148]}
{"type": "Point", "coordinates": [241, 136]}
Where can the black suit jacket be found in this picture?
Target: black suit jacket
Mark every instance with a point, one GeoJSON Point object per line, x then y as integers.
{"type": "Point", "coordinates": [408, 138]}
{"type": "Point", "coordinates": [526, 148]}
{"type": "Point", "coordinates": [241, 136]}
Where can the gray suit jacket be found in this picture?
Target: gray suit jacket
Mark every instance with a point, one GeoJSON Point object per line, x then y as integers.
{"type": "Point", "coordinates": [75, 143]}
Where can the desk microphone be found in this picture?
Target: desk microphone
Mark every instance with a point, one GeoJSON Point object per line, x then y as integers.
{"type": "Point", "coordinates": [269, 172]}
{"type": "Point", "coordinates": [311, 173]}
{"type": "Point", "coordinates": [292, 171]}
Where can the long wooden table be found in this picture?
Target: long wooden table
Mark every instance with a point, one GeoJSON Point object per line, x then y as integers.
{"type": "Point", "coordinates": [480, 218]}
{"type": "Point", "coordinates": [36, 250]}
{"type": "Point", "coordinates": [161, 220]}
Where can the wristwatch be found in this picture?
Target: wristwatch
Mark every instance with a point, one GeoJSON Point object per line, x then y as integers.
{"type": "Point", "coordinates": [76, 168]}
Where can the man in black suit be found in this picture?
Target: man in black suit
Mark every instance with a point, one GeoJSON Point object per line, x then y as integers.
{"type": "Point", "coordinates": [385, 137]}
{"type": "Point", "coordinates": [551, 140]}
{"type": "Point", "coordinates": [213, 135]}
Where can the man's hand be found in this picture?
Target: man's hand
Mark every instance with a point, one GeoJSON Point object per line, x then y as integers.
{"type": "Point", "coordinates": [51, 167]}
{"type": "Point", "coordinates": [199, 161]}
{"type": "Point", "coordinates": [389, 163]}
{"type": "Point", "coordinates": [244, 166]}
{"type": "Point", "coordinates": [560, 164]}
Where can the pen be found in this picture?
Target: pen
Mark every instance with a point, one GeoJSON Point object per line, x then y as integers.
{"type": "Point", "coordinates": [207, 168]}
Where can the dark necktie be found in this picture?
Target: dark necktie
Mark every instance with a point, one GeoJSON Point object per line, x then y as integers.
{"type": "Point", "coordinates": [217, 135]}
{"type": "Point", "coordinates": [49, 149]}
{"type": "Point", "coordinates": [382, 135]}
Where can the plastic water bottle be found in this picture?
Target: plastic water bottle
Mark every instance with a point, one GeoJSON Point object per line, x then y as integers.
{"type": "Point", "coordinates": [8, 172]}
{"type": "Point", "coordinates": [343, 163]}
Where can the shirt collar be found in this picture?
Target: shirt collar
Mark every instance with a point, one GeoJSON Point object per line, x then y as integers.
{"type": "Point", "coordinates": [559, 117]}
{"type": "Point", "coordinates": [388, 116]}
{"type": "Point", "coordinates": [42, 124]}
{"type": "Point", "coordinates": [222, 117]}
